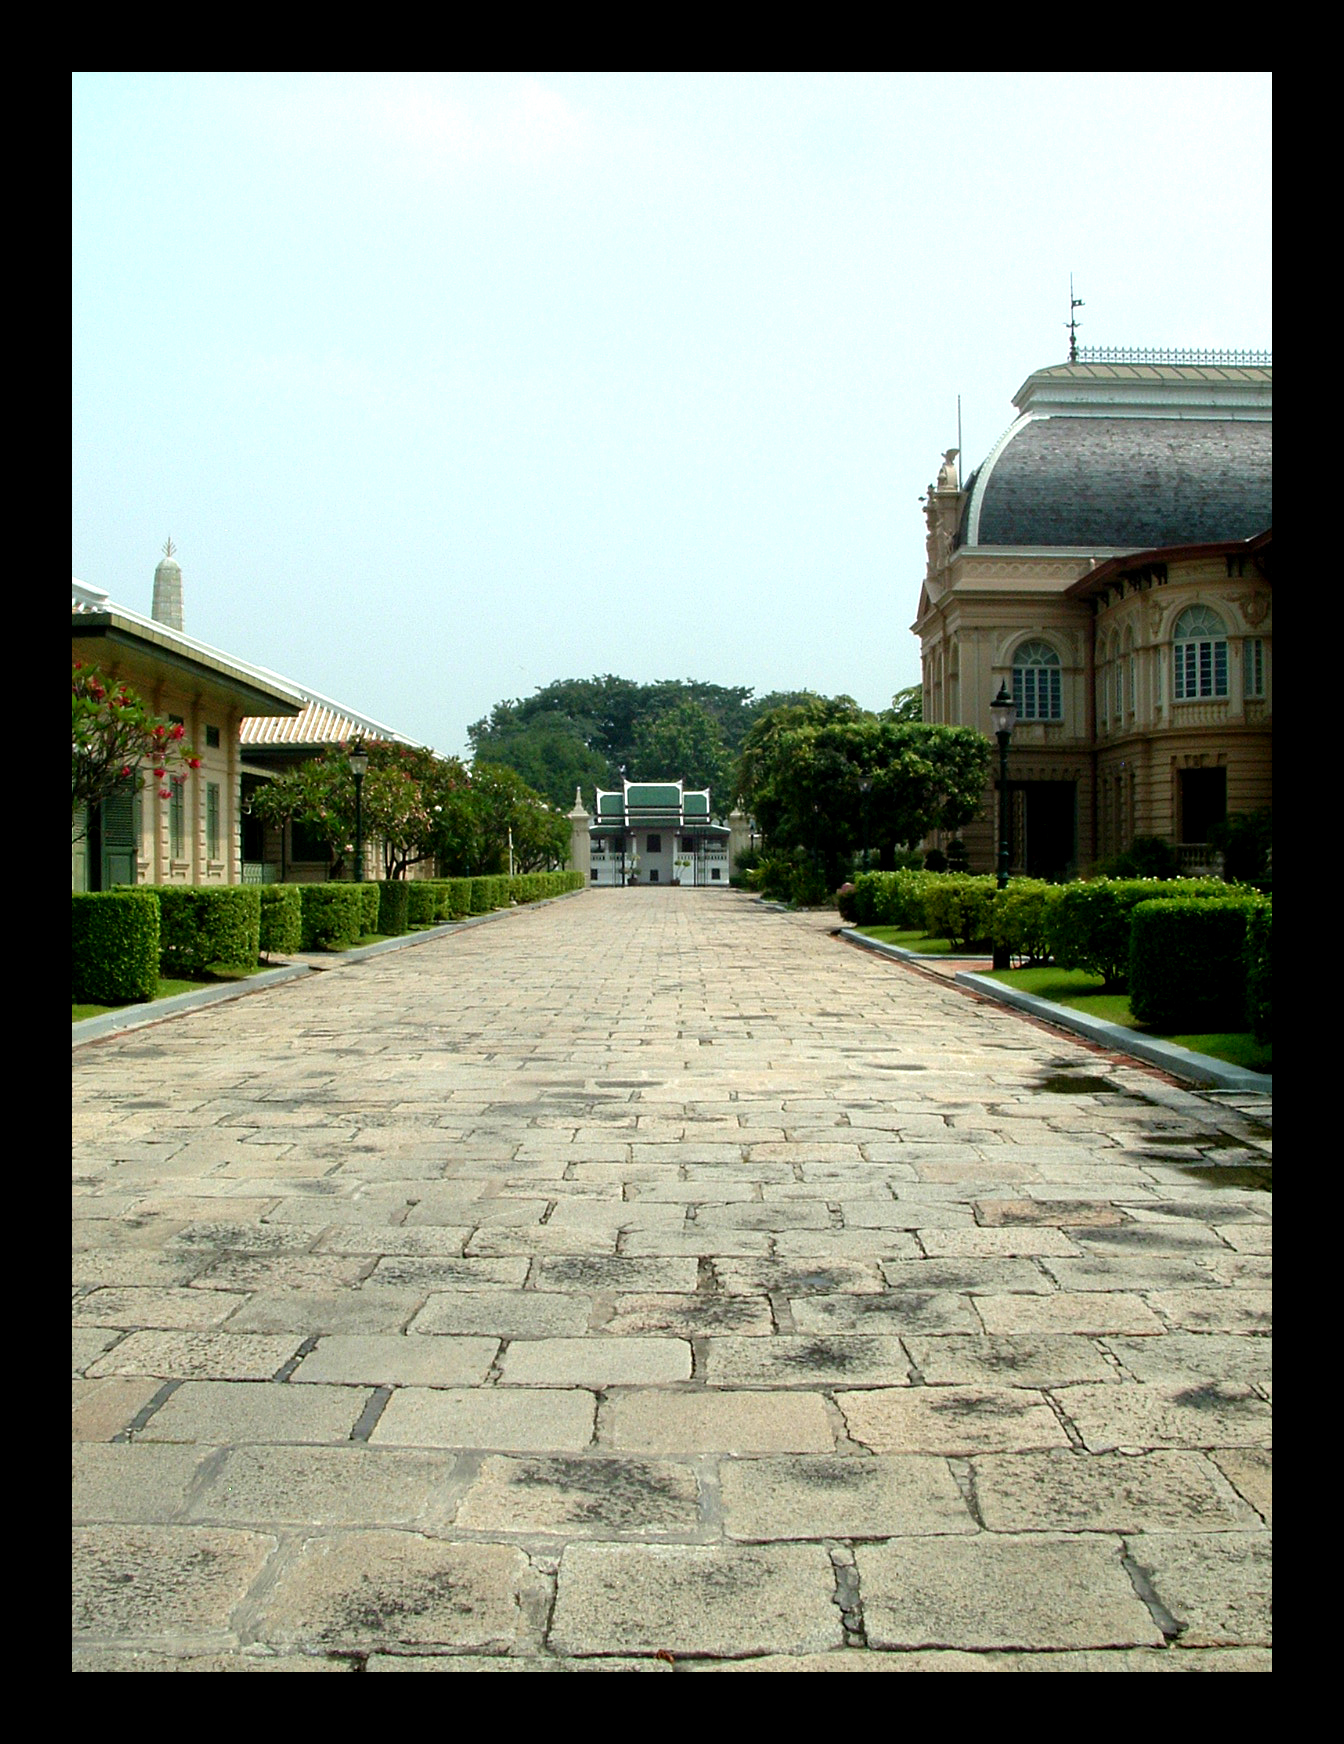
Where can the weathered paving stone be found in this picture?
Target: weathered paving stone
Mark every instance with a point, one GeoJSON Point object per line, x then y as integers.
{"type": "Point", "coordinates": [1222, 1310]}
{"type": "Point", "coordinates": [547, 1419]}
{"type": "Point", "coordinates": [505, 1313]}
{"type": "Point", "coordinates": [410, 1242]}
{"type": "Point", "coordinates": [794, 1278]}
{"type": "Point", "coordinates": [840, 1497]}
{"type": "Point", "coordinates": [1126, 1272]}
{"type": "Point", "coordinates": [131, 1483]}
{"type": "Point", "coordinates": [222, 1356]}
{"type": "Point", "coordinates": [684, 1599]}
{"type": "Point", "coordinates": [991, 1277]}
{"type": "Point", "coordinates": [101, 1409]}
{"type": "Point", "coordinates": [1043, 1591]}
{"type": "Point", "coordinates": [1207, 1356]}
{"type": "Point", "coordinates": [996, 1243]}
{"type": "Point", "coordinates": [399, 1361]}
{"type": "Point", "coordinates": [368, 1309]}
{"type": "Point", "coordinates": [163, 1309]}
{"type": "Point", "coordinates": [895, 1312]}
{"type": "Point", "coordinates": [690, 1316]}
{"type": "Point", "coordinates": [702, 1422]}
{"type": "Point", "coordinates": [1110, 1492]}
{"type": "Point", "coordinates": [823, 1360]}
{"type": "Point", "coordinates": [1250, 1470]}
{"type": "Point", "coordinates": [109, 1659]}
{"type": "Point", "coordinates": [595, 1362]}
{"type": "Point", "coordinates": [849, 1659]}
{"type": "Point", "coordinates": [140, 1583]}
{"type": "Point", "coordinates": [1084, 1311]}
{"type": "Point", "coordinates": [1217, 1586]}
{"type": "Point", "coordinates": [950, 1420]}
{"type": "Point", "coordinates": [614, 1274]}
{"type": "Point", "coordinates": [1199, 1414]}
{"type": "Point", "coordinates": [322, 1272]}
{"type": "Point", "coordinates": [514, 1662]}
{"type": "Point", "coordinates": [583, 1498]}
{"type": "Point", "coordinates": [1062, 1214]}
{"type": "Point", "coordinates": [1012, 1362]}
{"type": "Point", "coordinates": [367, 1590]}
{"type": "Point", "coordinates": [321, 1486]}
{"type": "Point", "coordinates": [225, 1413]}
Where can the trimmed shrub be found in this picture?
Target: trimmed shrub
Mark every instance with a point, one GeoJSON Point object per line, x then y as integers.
{"type": "Point", "coordinates": [281, 919]}
{"type": "Point", "coordinates": [394, 902]}
{"type": "Point", "coordinates": [1260, 972]}
{"type": "Point", "coordinates": [958, 907]}
{"type": "Point", "coordinates": [114, 946]}
{"type": "Point", "coordinates": [1088, 924]}
{"type": "Point", "coordinates": [1019, 920]}
{"type": "Point", "coordinates": [333, 915]}
{"type": "Point", "coordinates": [420, 902]}
{"type": "Point", "coordinates": [370, 904]}
{"type": "Point", "coordinates": [1187, 963]}
{"type": "Point", "coordinates": [458, 898]}
{"type": "Point", "coordinates": [201, 925]}
{"type": "Point", "coordinates": [1145, 857]}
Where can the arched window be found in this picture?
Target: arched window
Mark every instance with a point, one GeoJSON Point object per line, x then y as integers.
{"type": "Point", "coordinates": [1131, 687]}
{"type": "Point", "coordinates": [1037, 683]}
{"type": "Point", "coordinates": [1199, 653]}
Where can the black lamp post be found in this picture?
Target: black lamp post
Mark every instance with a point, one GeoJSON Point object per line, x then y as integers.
{"type": "Point", "coordinates": [359, 768]}
{"type": "Point", "coordinates": [1004, 717]}
{"type": "Point", "coordinates": [865, 788]}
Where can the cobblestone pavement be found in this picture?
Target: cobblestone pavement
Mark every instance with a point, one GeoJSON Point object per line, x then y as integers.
{"type": "Point", "coordinates": [651, 1281]}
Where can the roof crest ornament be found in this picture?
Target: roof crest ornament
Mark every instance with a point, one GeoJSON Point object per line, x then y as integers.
{"type": "Point", "coordinates": [1073, 323]}
{"type": "Point", "coordinates": [169, 547]}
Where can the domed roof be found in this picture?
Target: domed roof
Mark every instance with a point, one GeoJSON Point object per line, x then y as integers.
{"type": "Point", "coordinates": [1128, 458]}
{"type": "Point", "coordinates": [1122, 482]}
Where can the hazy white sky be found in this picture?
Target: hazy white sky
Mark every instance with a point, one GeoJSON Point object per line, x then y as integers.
{"type": "Point", "coordinates": [446, 387]}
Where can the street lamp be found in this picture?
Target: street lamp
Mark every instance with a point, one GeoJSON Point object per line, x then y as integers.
{"type": "Point", "coordinates": [865, 788]}
{"type": "Point", "coordinates": [359, 768]}
{"type": "Point", "coordinates": [1003, 715]}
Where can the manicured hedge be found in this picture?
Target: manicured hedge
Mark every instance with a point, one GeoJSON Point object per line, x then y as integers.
{"type": "Point", "coordinates": [371, 899]}
{"type": "Point", "coordinates": [1187, 963]}
{"type": "Point", "coordinates": [281, 919]}
{"type": "Point", "coordinates": [203, 924]}
{"type": "Point", "coordinates": [957, 906]}
{"type": "Point", "coordinates": [333, 915]}
{"type": "Point", "coordinates": [1260, 972]}
{"type": "Point", "coordinates": [1089, 922]}
{"type": "Point", "coordinates": [114, 946]}
{"type": "Point", "coordinates": [420, 896]}
{"type": "Point", "coordinates": [394, 901]}
{"type": "Point", "coordinates": [1020, 919]}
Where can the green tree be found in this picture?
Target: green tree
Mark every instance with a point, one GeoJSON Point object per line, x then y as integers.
{"type": "Point", "coordinates": [686, 742]}
{"type": "Point", "coordinates": [907, 704]}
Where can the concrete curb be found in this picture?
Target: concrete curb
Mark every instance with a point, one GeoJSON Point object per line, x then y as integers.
{"type": "Point", "coordinates": [1180, 1062]}
{"type": "Point", "coordinates": [92, 1029]}
{"type": "Point", "coordinates": [904, 956]}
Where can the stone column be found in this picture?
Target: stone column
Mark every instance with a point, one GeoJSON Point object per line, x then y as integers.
{"type": "Point", "coordinates": [739, 838]}
{"type": "Point", "coordinates": [580, 843]}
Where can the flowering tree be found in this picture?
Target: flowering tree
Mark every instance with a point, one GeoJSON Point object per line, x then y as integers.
{"type": "Point", "coordinates": [115, 742]}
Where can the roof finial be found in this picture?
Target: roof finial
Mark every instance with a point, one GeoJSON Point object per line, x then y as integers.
{"type": "Point", "coordinates": [169, 548]}
{"type": "Point", "coordinates": [1073, 322]}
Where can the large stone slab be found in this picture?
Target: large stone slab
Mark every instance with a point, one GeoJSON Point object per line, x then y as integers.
{"type": "Point", "coordinates": [485, 1417]}
{"type": "Point", "coordinates": [1007, 1362]}
{"type": "Point", "coordinates": [894, 1312]}
{"type": "Point", "coordinates": [1108, 1492]}
{"type": "Point", "coordinates": [1083, 1311]}
{"type": "Point", "coordinates": [322, 1486]}
{"type": "Point", "coordinates": [1198, 1415]}
{"type": "Point", "coordinates": [505, 1313]}
{"type": "Point", "coordinates": [225, 1413]}
{"type": "Point", "coordinates": [715, 1422]}
{"type": "Point", "coordinates": [125, 1482]}
{"type": "Point", "coordinates": [1217, 1586]}
{"type": "Point", "coordinates": [582, 1497]}
{"type": "Point", "coordinates": [364, 1591]}
{"type": "Point", "coordinates": [813, 1361]}
{"type": "Point", "coordinates": [950, 1420]}
{"type": "Point", "coordinates": [215, 1356]}
{"type": "Point", "coordinates": [984, 1592]}
{"type": "Point", "coordinates": [694, 1600]}
{"type": "Point", "coordinates": [840, 1497]}
{"type": "Point", "coordinates": [140, 1584]}
{"type": "Point", "coordinates": [595, 1362]}
{"type": "Point", "coordinates": [399, 1361]}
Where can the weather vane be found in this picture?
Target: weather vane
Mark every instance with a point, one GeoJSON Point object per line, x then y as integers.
{"type": "Point", "coordinates": [1073, 323]}
{"type": "Point", "coordinates": [169, 548]}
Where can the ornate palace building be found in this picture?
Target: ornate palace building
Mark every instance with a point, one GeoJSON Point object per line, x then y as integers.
{"type": "Point", "coordinates": [1110, 561]}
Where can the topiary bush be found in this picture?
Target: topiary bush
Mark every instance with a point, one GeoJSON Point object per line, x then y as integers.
{"type": "Point", "coordinates": [1187, 963]}
{"type": "Point", "coordinates": [394, 902]}
{"type": "Point", "coordinates": [1019, 920]}
{"type": "Point", "coordinates": [334, 915]}
{"type": "Point", "coordinates": [958, 907]}
{"type": "Point", "coordinates": [420, 902]}
{"type": "Point", "coordinates": [281, 919]}
{"type": "Point", "coordinates": [201, 925]}
{"type": "Point", "coordinates": [1088, 924]}
{"type": "Point", "coordinates": [114, 946]}
{"type": "Point", "coordinates": [1260, 972]}
{"type": "Point", "coordinates": [370, 904]}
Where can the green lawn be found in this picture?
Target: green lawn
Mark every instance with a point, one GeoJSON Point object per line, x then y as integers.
{"type": "Point", "coordinates": [916, 941]}
{"type": "Point", "coordinates": [1082, 991]}
{"type": "Point", "coordinates": [167, 988]}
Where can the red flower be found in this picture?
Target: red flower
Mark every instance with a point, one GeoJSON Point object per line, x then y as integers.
{"type": "Point", "coordinates": [158, 774]}
{"type": "Point", "coordinates": [178, 730]}
{"type": "Point", "coordinates": [193, 762]}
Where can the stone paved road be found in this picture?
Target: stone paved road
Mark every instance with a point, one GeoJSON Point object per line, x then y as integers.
{"type": "Point", "coordinates": [651, 1281]}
